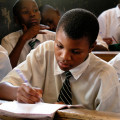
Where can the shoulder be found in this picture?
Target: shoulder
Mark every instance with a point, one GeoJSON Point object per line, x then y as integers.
{"type": "Point", "coordinates": [4, 59]}
{"type": "Point", "coordinates": [115, 60]}
{"type": "Point", "coordinates": [50, 32]}
{"type": "Point", "coordinates": [12, 36]}
{"type": "Point", "coordinates": [47, 44]}
{"type": "Point", "coordinates": [49, 35]}
{"type": "Point", "coordinates": [43, 48]}
{"type": "Point", "coordinates": [105, 72]}
{"type": "Point", "coordinates": [107, 12]}
{"type": "Point", "coordinates": [99, 64]}
{"type": "Point", "coordinates": [3, 51]}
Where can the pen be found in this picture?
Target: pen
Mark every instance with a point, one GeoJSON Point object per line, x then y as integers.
{"type": "Point", "coordinates": [18, 71]}
{"type": "Point", "coordinates": [114, 39]}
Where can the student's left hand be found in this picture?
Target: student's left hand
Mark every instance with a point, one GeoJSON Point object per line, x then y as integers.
{"type": "Point", "coordinates": [28, 94]}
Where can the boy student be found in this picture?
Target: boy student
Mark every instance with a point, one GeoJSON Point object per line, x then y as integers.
{"type": "Point", "coordinates": [66, 61]}
{"type": "Point", "coordinates": [19, 43]}
{"type": "Point", "coordinates": [50, 16]}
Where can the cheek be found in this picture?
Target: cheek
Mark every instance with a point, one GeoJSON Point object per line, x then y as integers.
{"type": "Point", "coordinates": [80, 59]}
{"type": "Point", "coordinates": [57, 53]}
{"type": "Point", "coordinates": [39, 17]}
{"type": "Point", "coordinates": [24, 19]}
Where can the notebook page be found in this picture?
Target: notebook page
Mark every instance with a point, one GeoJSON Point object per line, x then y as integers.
{"type": "Point", "coordinates": [38, 110]}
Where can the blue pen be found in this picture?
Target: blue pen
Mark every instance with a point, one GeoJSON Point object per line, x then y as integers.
{"type": "Point", "coordinates": [18, 71]}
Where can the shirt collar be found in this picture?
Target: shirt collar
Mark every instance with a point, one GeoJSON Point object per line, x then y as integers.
{"type": "Point", "coordinates": [118, 10]}
{"type": "Point", "coordinates": [76, 72]}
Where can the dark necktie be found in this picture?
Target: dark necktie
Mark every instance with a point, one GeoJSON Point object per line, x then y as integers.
{"type": "Point", "coordinates": [32, 43]}
{"type": "Point", "coordinates": [65, 92]}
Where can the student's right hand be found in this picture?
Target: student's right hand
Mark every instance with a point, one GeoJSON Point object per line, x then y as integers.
{"type": "Point", "coordinates": [33, 31]}
{"type": "Point", "coordinates": [28, 94]}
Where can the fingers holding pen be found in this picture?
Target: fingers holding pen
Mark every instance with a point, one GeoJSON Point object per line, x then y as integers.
{"type": "Point", "coordinates": [26, 94]}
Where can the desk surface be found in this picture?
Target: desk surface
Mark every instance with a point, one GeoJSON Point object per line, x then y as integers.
{"type": "Point", "coordinates": [105, 55]}
{"type": "Point", "coordinates": [84, 114]}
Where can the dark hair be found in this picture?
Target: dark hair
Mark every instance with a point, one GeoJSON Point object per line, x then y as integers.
{"type": "Point", "coordinates": [46, 8]}
{"type": "Point", "coordinates": [78, 23]}
{"type": "Point", "coordinates": [16, 7]}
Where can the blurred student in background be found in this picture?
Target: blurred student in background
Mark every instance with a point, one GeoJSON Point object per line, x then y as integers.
{"type": "Point", "coordinates": [50, 16]}
{"type": "Point", "coordinates": [109, 21]}
{"type": "Point", "coordinates": [5, 66]}
{"type": "Point", "coordinates": [19, 43]}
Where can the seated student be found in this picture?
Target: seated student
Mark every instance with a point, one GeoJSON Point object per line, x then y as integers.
{"type": "Point", "coordinates": [109, 22]}
{"type": "Point", "coordinates": [93, 83]}
{"type": "Point", "coordinates": [115, 62]}
{"type": "Point", "coordinates": [19, 43]}
{"type": "Point", "coordinates": [50, 16]}
{"type": "Point", "coordinates": [5, 66]}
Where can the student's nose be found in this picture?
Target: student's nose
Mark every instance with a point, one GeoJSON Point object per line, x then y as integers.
{"type": "Point", "coordinates": [31, 13]}
{"type": "Point", "coordinates": [65, 55]}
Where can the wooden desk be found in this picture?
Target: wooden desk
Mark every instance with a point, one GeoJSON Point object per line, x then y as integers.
{"type": "Point", "coordinates": [105, 55]}
{"type": "Point", "coordinates": [84, 114]}
{"type": "Point", "coordinates": [77, 114]}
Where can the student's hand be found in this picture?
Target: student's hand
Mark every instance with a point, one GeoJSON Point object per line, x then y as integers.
{"type": "Point", "coordinates": [33, 31]}
{"type": "Point", "coordinates": [28, 94]}
{"type": "Point", "coordinates": [108, 40]}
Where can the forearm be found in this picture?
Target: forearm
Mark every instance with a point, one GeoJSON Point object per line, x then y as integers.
{"type": "Point", "coordinates": [8, 91]}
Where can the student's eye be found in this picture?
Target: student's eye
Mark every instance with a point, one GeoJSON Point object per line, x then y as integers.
{"type": "Point", "coordinates": [35, 10]}
{"type": "Point", "coordinates": [59, 46]}
{"type": "Point", "coordinates": [25, 12]}
{"type": "Point", "coordinates": [76, 52]}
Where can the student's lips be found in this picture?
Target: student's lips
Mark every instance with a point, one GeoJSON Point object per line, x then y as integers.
{"type": "Point", "coordinates": [64, 65]}
{"type": "Point", "coordinates": [33, 21]}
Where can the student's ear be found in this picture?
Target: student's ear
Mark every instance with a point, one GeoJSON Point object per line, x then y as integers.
{"type": "Point", "coordinates": [92, 46]}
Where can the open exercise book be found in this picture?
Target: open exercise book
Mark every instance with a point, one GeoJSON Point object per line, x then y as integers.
{"type": "Point", "coordinates": [41, 111]}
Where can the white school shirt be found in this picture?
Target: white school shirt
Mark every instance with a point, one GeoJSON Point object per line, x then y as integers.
{"type": "Point", "coordinates": [115, 62]}
{"type": "Point", "coordinates": [9, 42]}
{"type": "Point", "coordinates": [109, 22]}
{"type": "Point", "coordinates": [5, 66]}
{"type": "Point", "coordinates": [94, 83]}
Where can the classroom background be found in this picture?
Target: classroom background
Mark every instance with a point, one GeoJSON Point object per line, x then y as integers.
{"type": "Point", "coordinates": [7, 24]}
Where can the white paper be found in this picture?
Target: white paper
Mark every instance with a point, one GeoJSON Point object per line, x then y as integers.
{"type": "Point", "coordinates": [39, 110]}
